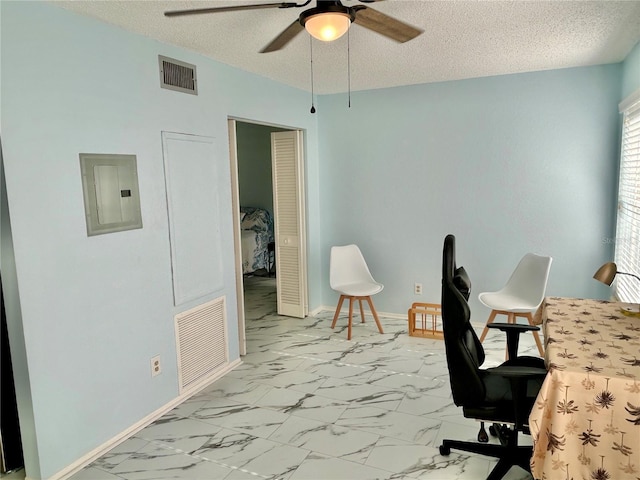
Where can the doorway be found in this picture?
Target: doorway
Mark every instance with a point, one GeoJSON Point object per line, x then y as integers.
{"type": "Point", "coordinates": [267, 173]}
{"type": "Point", "coordinates": [11, 455]}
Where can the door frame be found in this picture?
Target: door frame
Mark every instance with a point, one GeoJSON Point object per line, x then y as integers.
{"type": "Point", "coordinates": [235, 204]}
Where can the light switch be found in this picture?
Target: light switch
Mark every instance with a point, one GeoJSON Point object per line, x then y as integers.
{"type": "Point", "coordinates": [111, 196]}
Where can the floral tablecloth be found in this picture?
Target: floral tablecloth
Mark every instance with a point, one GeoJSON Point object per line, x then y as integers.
{"type": "Point", "coordinates": [586, 420]}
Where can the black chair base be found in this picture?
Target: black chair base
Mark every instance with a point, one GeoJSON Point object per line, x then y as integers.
{"type": "Point", "coordinates": [508, 452]}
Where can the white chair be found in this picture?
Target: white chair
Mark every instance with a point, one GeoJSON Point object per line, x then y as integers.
{"type": "Point", "coordinates": [350, 277]}
{"type": "Point", "coordinates": [522, 295]}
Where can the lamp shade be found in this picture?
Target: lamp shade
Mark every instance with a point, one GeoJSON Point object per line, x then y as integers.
{"type": "Point", "coordinates": [606, 273]}
{"type": "Point", "coordinates": [328, 26]}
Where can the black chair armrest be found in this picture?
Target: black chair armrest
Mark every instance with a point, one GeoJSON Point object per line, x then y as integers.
{"type": "Point", "coordinates": [518, 372]}
{"type": "Point", "coordinates": [519, 327]}
{"type": "Point", "coordinates": [513, 331]}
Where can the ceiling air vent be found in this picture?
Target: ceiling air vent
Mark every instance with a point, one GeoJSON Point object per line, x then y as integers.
{"type": "Point", "coordinates": [177, 75]}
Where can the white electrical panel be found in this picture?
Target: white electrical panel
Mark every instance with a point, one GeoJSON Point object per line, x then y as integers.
{"type": "Point", "coordinates": [111, 195]}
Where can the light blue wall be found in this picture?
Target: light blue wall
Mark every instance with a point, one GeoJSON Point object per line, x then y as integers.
{"type": "Point", "coordinates": [631, 72]}
{"type": "Point", "coordinates": [508, 164]}
{"type": "Point", "coordinates": [95, 310]}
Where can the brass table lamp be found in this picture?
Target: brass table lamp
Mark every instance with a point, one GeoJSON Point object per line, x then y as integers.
{"type": "Point", "coordinates": [606, 273]}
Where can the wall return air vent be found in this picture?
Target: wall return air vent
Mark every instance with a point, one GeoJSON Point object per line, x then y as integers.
{"type": "Point", "coordinates": [201, 339]}
{"type": "Point", "coordinates": [177, 75]}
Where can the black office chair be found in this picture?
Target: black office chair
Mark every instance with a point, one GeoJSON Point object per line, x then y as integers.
{"type": "Point", "coordinates": [502, 395]}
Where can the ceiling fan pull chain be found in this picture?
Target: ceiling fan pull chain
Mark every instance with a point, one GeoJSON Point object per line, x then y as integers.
{"type": "Point", "coordinates": [349, 65]}
{"type": "Point", "coordinates": [313, 108]}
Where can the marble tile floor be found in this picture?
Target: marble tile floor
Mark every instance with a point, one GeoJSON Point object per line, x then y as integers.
{"type": "Point", "coordinates": [307, 404]}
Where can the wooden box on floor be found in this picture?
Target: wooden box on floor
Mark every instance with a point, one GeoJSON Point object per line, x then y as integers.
{"type": "Point", "coordinates": [424, 320]}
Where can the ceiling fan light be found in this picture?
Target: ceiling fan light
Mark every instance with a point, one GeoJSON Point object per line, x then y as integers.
{"type": "Point", "coordinates": [328, 26]}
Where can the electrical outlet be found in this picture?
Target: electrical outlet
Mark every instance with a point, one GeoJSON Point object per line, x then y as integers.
{"type": "Point", "coordinates": [156, 368]}
{"type": "Point", "coordinates": [417, 289]}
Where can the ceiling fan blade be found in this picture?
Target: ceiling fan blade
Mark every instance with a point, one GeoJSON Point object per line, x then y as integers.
{"type": "Point", "coordinates": [285, 37]}
{"type": "Point", "coordinates": [196, 11]}
{"type": "Point", "coordinates": [385, 25]}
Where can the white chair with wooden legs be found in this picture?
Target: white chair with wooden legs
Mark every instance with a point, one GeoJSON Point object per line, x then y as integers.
{"type": "Point", "coordinates": [350, 277]}
{"type": "Point", "coordinates": [522, 294]}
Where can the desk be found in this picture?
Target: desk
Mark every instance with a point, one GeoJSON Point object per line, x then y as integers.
{"type": "Point", "coordinates": [586, 420]}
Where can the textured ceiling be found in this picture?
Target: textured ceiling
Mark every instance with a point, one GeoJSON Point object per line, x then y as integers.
{"type": "Point", "coordinates": [461, 39]}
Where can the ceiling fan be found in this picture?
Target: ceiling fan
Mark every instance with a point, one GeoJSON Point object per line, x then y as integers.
{"type": "Point", "coordinates": [327, 21]}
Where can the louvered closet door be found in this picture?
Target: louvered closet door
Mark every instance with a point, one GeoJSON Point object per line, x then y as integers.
{"type": "Point", "coordinates": [288, 203]}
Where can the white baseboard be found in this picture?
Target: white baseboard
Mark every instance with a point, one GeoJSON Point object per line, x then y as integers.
{"type": "Point", "coordinates": [345, 310]}
{"type": "Point", "coordinates": [316, 311]}
{"type": "Point", "coordinates": [136, 427]}
{"type": "Point", "coordinates": [402, 316]}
